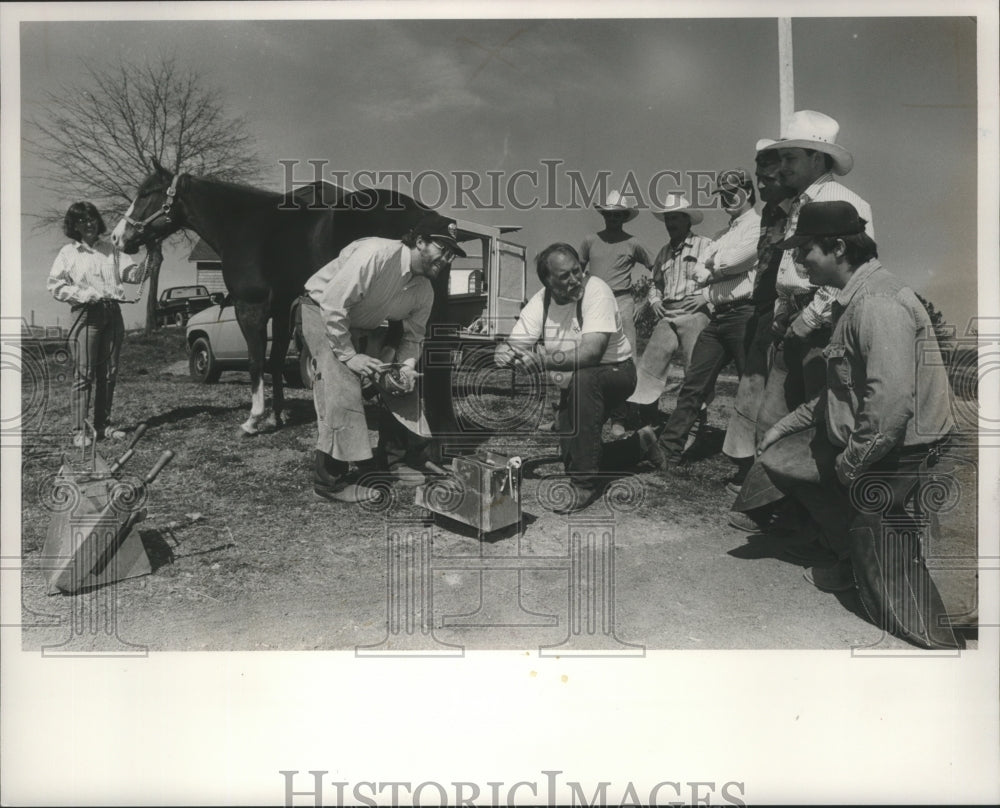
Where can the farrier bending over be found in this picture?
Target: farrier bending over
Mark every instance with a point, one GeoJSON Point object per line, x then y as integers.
{"type": "Point", "coordinates": [575, 330]}
{"type": "Point", "coordinates": [372, 280]}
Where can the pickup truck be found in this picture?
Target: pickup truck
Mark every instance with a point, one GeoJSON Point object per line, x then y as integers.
{"type": "Point", "coordinates": [178, 303]}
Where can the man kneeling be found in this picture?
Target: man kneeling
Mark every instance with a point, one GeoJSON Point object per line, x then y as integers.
{"type": "Point", "coordinates": [574, 326]}
{"type": "Point", "coordinates": [854, 456]}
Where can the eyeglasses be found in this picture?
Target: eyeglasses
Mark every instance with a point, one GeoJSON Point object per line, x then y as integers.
{"type": "Point", "coordinates": [447, 254]}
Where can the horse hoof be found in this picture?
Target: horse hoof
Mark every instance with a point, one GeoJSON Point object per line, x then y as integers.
{"type": "Point", "coordinates": [249, 431]}
{"type": "Point", "coordinates": [273, 423]}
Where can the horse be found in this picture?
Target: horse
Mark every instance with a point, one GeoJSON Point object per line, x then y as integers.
{"type": "Point", "coordinates": [269, 244]}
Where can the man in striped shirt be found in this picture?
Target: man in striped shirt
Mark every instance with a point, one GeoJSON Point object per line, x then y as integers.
{"type": "Point", "coordinates": [675, 298]}
{"type": "Point", "coordinates": [727, 278]}
{"type": "Point", "coordinates": [803, 314]}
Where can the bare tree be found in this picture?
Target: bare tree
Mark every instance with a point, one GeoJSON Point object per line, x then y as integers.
{"type": "Point", "coordinates": [98, 137]}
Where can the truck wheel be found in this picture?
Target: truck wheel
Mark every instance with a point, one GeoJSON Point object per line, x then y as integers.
{"type": "Point", "coordinates": [202, 365]}
{"type": "Point", "coordinates": [300, 374]}
{"type": "Point", "coordinates": [305, 367]}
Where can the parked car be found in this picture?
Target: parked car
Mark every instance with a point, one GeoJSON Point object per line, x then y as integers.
{"type": "Point", "coordinates": [178, 303]}
{"type": "Point", "coordinates": [216, 344]}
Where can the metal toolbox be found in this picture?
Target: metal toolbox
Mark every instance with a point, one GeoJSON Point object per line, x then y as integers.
{"type": "Point", "coordinates": [483, 491]}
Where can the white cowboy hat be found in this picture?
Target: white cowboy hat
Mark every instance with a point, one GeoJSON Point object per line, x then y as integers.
{"type": "Point", "coordinates": [677, 203]}
{"type": "Point", "coordinates": [764, 143]}
{"type": "Point", "coordinates": [808, 129]}
{"type": "Point", "coordinates": [615, 201]}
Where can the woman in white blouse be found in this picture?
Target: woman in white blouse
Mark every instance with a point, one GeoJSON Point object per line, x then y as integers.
{"type": "Point", "coordinates": [88, 273]}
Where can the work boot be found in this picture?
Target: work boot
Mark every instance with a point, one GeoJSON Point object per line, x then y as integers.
{"type": "Point", "coordinates": [347, 486]}
{"type": "Point", "coordinates": [649, 447]}
{"type": "Point", "coordinates": [327, 471]}
{"type": "Point", "coordinates": [838, 578]}
{"type": "Point", "coordinates": [579, 499]}
{"type": "Point", "coordinates": [757, 520]}
{"type": "Point", "coordinates": [697, 431]}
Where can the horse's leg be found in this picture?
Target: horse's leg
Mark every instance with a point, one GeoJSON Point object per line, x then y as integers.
{"type": "Point", "coordinates": [252, 318]}
{"type": "Point", "coordinates": [280, 337]}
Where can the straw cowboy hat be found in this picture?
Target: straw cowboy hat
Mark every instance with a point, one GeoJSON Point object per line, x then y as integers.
{"type": "Point", "coordinates": [614, 202]}
{"type": "Point", "coordinates": [808, 129]}
{"type": "Point", "coordinates": [677, 203]}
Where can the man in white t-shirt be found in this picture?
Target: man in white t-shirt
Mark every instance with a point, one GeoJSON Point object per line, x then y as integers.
{"type": "Point", "coordinates": [575, 330]}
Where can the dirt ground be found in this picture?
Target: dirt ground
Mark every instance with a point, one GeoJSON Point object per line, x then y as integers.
{"type": "Point", "coordinates": [246, 558]}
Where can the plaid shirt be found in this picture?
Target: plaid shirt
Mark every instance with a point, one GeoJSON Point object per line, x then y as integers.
{"type": "Point", "coordinates": [674, 269]}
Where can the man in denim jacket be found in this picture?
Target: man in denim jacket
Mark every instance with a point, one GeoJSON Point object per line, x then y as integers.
{"type": "Point", "coordinates": [854, 455]}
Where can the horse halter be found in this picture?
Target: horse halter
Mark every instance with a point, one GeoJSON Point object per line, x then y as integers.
{"type": "Point", "coordinates": [163, 212]}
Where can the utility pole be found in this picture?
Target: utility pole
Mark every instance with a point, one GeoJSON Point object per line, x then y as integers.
{"type": "Point", "coordinates": [786, 77]}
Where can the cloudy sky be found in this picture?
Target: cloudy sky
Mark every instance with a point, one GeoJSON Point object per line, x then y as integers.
{"type": "Point", "coordinates": [623, 96]}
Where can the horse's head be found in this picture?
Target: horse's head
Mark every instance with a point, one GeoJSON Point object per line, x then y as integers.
{"type": "Point", "coordinates": [153, 215]}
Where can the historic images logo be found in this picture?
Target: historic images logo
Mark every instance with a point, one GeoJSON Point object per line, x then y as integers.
{"type": "Point", "coordinates": [545, 790]}
{"type": "Point", "coordinates": [483, 492]}
{"type": "Point", "coordinates": [582, 608]}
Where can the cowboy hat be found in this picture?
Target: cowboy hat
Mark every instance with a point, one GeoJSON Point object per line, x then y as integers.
{"type": "Point", "coordinates": [677, 203]}
{"type": "Point", "coordinates": [808, 129]}
{"type": "Point", "coordinates": [615, 202]}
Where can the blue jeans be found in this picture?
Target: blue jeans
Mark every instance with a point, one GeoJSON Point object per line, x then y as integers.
{"type": "Point", "coordinates": [95, 340]}
{"type": "Point", "coordinates": [879, 524]}
{"type": "Point", "coordinates": [721, 342]}
{"type": "Point", "coordinates": [741, 438]}
{"type": "Point", "coordinates": [584, 406]}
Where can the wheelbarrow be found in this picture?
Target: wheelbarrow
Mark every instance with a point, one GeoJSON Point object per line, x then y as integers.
{"type": "Point", "coordinates": [94, 542]}
{"type": "Point", "coordinates": [82, 484]}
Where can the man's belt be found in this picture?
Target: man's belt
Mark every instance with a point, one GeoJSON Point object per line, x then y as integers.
{"type": "Point", "coordinates": [722, 308]}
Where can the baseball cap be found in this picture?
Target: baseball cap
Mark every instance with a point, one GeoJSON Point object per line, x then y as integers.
{"type": "Point", "coordinates": [821, 219]}
{"type": "Point", "coordinates": [441, 229]}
